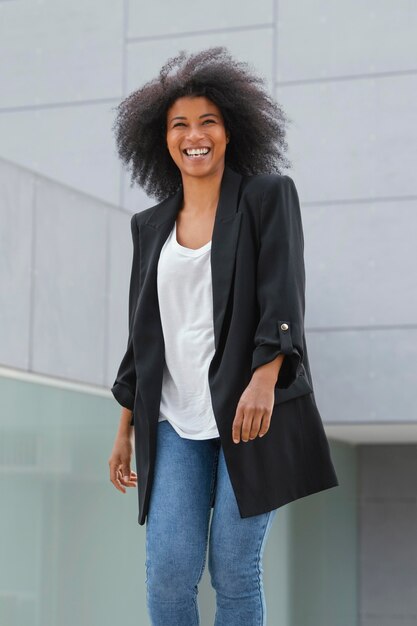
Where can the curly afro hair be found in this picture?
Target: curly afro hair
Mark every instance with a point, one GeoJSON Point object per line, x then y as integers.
{"type": "Point", "coordinates": [256, 123]}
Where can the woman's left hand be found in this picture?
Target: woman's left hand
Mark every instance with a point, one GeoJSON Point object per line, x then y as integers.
{"type": "Point", "coordinates": [254, 410]}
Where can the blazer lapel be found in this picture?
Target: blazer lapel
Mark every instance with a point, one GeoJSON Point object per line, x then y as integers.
{"type": "Point", "coordinates": [153, 234]}
{"type": "Point", "coordinates": [223, 247]}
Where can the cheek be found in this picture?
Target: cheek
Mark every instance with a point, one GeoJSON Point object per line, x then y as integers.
{"type": "Point", "coordinates": [173, 143]}
{"type": "Point", "coordinates": [221, 136]}
{"type": "Point", "coordinates": [221, 143]}
{"type": "Point", "coordinates": [170, 146]}
{"type": "Point", "coordinates": [173, 151]}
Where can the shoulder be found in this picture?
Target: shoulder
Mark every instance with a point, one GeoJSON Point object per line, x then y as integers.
{"type": "Point", "coordinates": [270, 196]}
{"type": "Point", "coordinates": [140, 217]}
{"type": "Point", "coordinates": [275, 209]}
{"type": "Point", "coordinates": [137, 219]}
{"type": "Point", "coordinates": [262, 184]}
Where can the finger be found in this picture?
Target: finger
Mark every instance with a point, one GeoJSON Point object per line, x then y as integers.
{"type": "Point", "coordinates": [132, 480]}
{"type": "Point", "coordinates": [121, 480]}
{"type": "Point", "coordinates": [127, 483]}
{"type": "Point", "coordinates": [256, 424]}
{"type": "Point", "coordinates": [122, 477]}
{"type": "Point", "coordinates": [266, 421]}
{"type": "Point", "coordinates": [125, 471]}
{"type": "Point", "coordinates": [247, 425]}
{"type": "Point", "coordinates": [115, 479]}
{"type": "Point", "coordinates": [237, 425]}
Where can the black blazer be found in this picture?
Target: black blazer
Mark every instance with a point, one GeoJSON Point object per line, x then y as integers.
{"type": "Point", "coordinates": [258, 283]}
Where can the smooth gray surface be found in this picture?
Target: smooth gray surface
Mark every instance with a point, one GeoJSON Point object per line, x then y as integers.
{"type": "Point", "coordinates": [387, 534]}
{"type": "Point", "coordinates": [60, 52]}
{"type": "Point", "coordinates": [364, 375]}
{"type": "Point", "coordinates": [327, 40]}
{"type": "Point", "coordinates": [393, 620]}
{"type": "Point", "coordinates": [16, 225]}
{"type": "Point", "coordinates": [134, 198]}
{"type": "Point", "coordinates": [71, 144]}
{"type": "Point", "coordinates": [170, 18]}
{"type": "Point", "coordinates": [64, 279]}
{"type": "Point", "coordinates": [353, 139]}
{"type": "Point", "coordinates": [69, 303]}
{"type": "Point", "coordinates": [359, 260]}
{"type": "Point", "coordinates": [388, 471]}
{"type": "Point", "coordinates": [388, 557]}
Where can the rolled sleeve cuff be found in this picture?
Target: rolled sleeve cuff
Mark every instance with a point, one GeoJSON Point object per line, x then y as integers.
{"type": "Point", "coordinates": [123, 395]}
{"type": "Point", "coordinates": [283, 344]}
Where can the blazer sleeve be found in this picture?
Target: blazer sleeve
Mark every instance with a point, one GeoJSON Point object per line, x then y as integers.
{"type": "Point", "coordinates": [280, 280]}
{"type": "Point", "coordinates": [124, 386]}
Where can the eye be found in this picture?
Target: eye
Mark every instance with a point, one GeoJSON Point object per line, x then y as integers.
{"type": "Point", "coordinates": [208, 121]}
{"type": "Point", "coordinates": [178, 124]}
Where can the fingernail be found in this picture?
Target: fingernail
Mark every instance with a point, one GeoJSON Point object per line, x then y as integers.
{"type": "Point", "coordinates": [126, 477]}
{"type": "Point", "coordinates": [236, 440]}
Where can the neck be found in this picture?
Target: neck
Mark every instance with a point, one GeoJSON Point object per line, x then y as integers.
{"type": "Point", "coordinates": [201, 194]}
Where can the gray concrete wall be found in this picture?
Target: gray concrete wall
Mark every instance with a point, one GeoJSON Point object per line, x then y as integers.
{"type": "Point", "coordinates": [387, 491]}
{"type": "Point", "coordinates": [64, 279]}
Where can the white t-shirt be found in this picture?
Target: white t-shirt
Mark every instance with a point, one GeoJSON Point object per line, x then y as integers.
{"type": "Point", "coordinates": [186, 308]}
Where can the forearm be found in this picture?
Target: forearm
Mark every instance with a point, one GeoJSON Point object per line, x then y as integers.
{"type": "Point", "coordinates": [269, 371]}
{"type": "Point", "coordinates": [125, 429]}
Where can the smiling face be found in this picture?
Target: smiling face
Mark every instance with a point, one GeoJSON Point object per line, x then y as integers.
{"type": "Point", "coordinates": [196, 136]}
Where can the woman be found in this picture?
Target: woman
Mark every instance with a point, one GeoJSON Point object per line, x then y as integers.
{"type": "Point", "coordinates": [215, 383]}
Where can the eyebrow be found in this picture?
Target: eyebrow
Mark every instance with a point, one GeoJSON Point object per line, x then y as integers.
{"type": "Point", "coordinates": [181, 117]}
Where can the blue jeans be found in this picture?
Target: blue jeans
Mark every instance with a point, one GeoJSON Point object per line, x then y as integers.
{"type": "Point", "coordinates": [189, 474]}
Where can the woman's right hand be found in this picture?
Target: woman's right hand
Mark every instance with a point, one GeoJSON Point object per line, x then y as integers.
{"type": "Point", "coordinates": [119, 462]}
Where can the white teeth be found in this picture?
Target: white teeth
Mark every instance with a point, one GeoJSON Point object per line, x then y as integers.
{"type": "Point", "coordinates": [196, 151]}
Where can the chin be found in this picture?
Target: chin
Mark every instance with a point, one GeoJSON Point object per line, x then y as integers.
{"type": "Point", "coordinates": [202, 169]}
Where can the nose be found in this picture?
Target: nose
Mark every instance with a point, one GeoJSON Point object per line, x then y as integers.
{"type": "Point", "coordinates": [194, 133]}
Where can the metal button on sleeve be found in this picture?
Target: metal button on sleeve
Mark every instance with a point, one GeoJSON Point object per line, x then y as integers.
{"type": "Point", "coordinates": [284, 326]}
